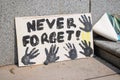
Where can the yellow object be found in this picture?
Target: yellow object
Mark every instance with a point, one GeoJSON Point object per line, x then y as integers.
{"type": "Point", "coordinates": [85, 36]}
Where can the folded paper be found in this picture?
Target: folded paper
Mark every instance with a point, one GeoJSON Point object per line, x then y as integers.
{"type": "Point", "coordinates": [108, 26]}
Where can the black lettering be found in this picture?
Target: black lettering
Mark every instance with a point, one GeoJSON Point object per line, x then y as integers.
{"type": "Point", "coordinates": [31, 26]}
{"type": "Point", "coordinates": [34, 40]}
{"type": "Point", "coordinates": [50, 24]}
{"type": "Point", "coordinates": [70, 23]}
{"type": "Point", "coordinates": [70, 32]}
{"type": "Point", "coordinates": [78, 34]}
{"type": "Point", "coordinates": [60, 37]}
{"type": "Point", "coordinates": [60, 23]}
{"type": "Point", "coordinates": [25, 40]}
{"type": "Point", "coordinates": [40, 24]}
{"type": "Point", "coordinates": [44, 38]}
{"type": "Point", "coordinates": [52, 38]}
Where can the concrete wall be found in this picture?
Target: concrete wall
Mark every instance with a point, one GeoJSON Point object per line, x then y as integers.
{"type": "Point", "coordinates": [9, 9]}
{"type": "Point", "coordinates": [99, 7]}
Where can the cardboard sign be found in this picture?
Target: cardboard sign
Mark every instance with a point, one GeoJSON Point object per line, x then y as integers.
{"type": "Point", "coordinates": [48, 39]}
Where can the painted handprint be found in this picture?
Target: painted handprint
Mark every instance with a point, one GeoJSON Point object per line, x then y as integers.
{"type": "Point", "coordinates": [51, 54]}
{"type": "Point", "coordinates": [86, 22]}
{"type": "Point", "coordinates": [28, 56]}
{"type": "Point", "coordinates": [72, 51]}
{"type": "Point", "coordinates": [86, 48]}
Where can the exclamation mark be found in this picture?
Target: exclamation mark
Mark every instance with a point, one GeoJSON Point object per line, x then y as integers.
{"type": "Point", "coordinates": [78, 34]}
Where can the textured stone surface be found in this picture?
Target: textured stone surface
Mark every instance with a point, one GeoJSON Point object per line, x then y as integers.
{"type": "Point", "coordinates": [81, 69]}
{"type": "Point", "coordinates": [114, 60]}
{"type": "Point", "coordinates": [108, 50]}
{"type": "Point", "coordinates": [109, 46]}
{"type": "Point", "coordinates": [9, 9]}
{"type": "Point", "coordinates": [99, 7]}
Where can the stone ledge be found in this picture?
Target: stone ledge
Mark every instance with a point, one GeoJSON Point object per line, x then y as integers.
{"type": "Point", "coordinates": [108, 50]}
{"type": "Point", "coordinates": [109, 46]}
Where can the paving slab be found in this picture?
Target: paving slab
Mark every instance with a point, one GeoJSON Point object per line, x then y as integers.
{"type": "Point", "coordinates": [80, 69]}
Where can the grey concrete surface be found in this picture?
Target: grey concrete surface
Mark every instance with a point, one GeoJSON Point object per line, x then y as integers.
{"type": "Point", "coordinates": [109, 57]}
{"type": "Point", "coordinates": [9, 9]}
{"type": "Point", "coordinates": [109, 46]}
{"type": "Point", "coordinates": [108, 50]}
{"type": "Point", "coordinates": [99, 7]}
{"type": "Point", "coordinates": [81, 69]}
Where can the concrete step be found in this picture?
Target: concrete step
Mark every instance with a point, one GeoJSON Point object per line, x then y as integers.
{"type": "Point", "coordinates": [80, 69]}
{"type": "Point", "coordinates": [108, 50]}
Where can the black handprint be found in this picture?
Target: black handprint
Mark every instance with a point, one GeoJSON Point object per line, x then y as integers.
{"type": "Point", "coordinates": [72, 51]}
{"type": "Point", "coordinates": [86, 22]}
{"type": "Point", "coordinates": [87, 49]}
{"type": "Point", "coordinates": [28, 56]}
{"type": "Point", "coordinates": [51, 55]}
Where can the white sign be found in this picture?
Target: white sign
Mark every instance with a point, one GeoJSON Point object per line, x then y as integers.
{"type": "Point", "coordinates": [47, 39]}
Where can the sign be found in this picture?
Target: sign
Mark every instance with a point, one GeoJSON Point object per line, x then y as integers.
{"type": "Point", "coordinates": [48, 39]}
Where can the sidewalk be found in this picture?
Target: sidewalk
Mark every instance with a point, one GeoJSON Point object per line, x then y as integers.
{"type": "Point", "coordinates": [81, 69]}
